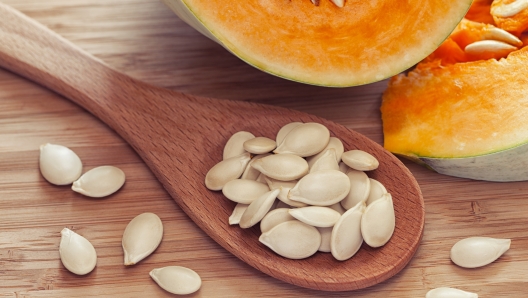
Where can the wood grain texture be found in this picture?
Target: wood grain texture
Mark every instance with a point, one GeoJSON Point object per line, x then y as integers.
{"type": "Point", "coordinates": [145, 40]}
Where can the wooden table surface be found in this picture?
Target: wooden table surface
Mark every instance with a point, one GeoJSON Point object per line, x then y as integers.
{"type": "Point", "coordinates": [147, 41]}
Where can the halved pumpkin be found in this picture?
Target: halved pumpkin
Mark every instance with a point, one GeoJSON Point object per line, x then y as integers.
{"type": "Point", "coordinates": [359, 43]}
{"type": "Point", "coordinates": [460, 114]}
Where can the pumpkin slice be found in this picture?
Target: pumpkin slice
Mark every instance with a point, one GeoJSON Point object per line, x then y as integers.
{"type": "Point", "coordinates": [359, 43]}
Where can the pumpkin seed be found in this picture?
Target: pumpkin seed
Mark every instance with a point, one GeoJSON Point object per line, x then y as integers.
{"type": "Point", "coordinates": [359, 189]}
{"type": "Point", "coordinates": [445, 292]}
{"type": "Point", "coordinates": [476, 252]}
{"type": "Point", "coordinates": [235, 144]}
{"type": "Point", "coordinates": [100, 182]}
{"type": "Point", "coordinates": [284, 167]}
{"type": "Point", "coordinates": [250, 172]}
{"type": "Point", "coordinates": [284, 187]}
{"type": "Point", "coordinates": [360, 160]}
{"type": "Point", "coordinates": [346, 237]}
{"type": "Point", "coordinates": [339, 3]}
{"type": "Point", "coordinates": [333, 143]}
{"type": "Point", "coordinates": [504, 10]}
{"type": "Point", "coordinates": [322, 188]}
{"type": "Point", "coordinates": [176, 279]}
{"type": "Point", "coordinates": [59, 165]}
{"type": "Point", "coordinates": [377, 190]}
{"type": "Point", "coordinates": [305, 140]}
{"type": "Point", "coordinates": [378, 221]}
{"type": "Point", "coordinates": [142, 236]}
{"type": "Point", "coordinates": [499, 34]}
{"type": "Point", "coordinates": [258, 209]}
{"type": "Point", "coordinates": [321, 217]}
{"type": "Point", "coordinates": [259, 145]}
{"type": "Point", "coordinates": [239, 209]}
{"type": "Point", "coordinates": [285, 130]}
{"type": "Point", "coordinates": [274, 218]}
{"type": "Point", "coordinates": [292, 239]}
{"type": "Point", "coordinates": [489, 47]}
{"type": "Point", "coordinates": [77, 254]}
{"type": "Point", "coordinates": [226, 170]}
{"type": "Point", "coordinates": [327, 161]}
{"type": "Point", "coordinates": [244, 191]}
{"type": "Point", "coordinates": [326, 235]}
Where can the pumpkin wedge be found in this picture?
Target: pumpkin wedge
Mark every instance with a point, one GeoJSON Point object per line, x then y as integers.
{"type": "Point", "coordinates": [325, 44]}
{"type": "Point", "coordinates": [464, 114]}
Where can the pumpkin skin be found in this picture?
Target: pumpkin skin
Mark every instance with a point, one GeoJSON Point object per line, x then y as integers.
{"type": "Point", "coordinates": [363, 42]}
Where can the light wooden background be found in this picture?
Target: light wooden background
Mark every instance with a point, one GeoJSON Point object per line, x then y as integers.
{"type": "Point", "coordinates": [147, 41]}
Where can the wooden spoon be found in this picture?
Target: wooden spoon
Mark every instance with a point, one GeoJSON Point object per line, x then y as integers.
{"type": "Point", "coordinates": [180, 137]}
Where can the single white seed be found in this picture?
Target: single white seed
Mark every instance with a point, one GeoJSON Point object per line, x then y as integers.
{"type": "Point", "coordinates": [235, 144]}
{"type": "Point", "coordinates": [285, 130]}
{"type": "Point", "coordinates": [360, 160]}
{"type": "Point", "coordinates": [259, 145]}
{"type": "Point", "coordinates": [244, 191]}
{"type": "Point", "coordinates": [377, 190]}
{"type": "Point", "coordinates": [508, 10]}
{"type": "Point", "coordinates": [444, 292]}
{"type": "Point", "coordinates": [333, 143]}
{"type": "Point", "coordinates": [284, 187]}
{"type": "Point", "coordinates": [59, 165]}
{"type": "Point", "coordinates": [100, 182]}
{"type": "Point", "coordinates": [305, 140]}
{"type": "Point", "coordinates": [378, 221]}
{"type": "Point", "coordinates": [292, 239]}
{"type": "Point", "coordinates": [284, 167]}
{"type": "Point", "coordinates": [176, 279]}
{"type": "Point", "coordinates": [142, 236]}
{"type": "Point", "coordinates": [77, 254]}
{"type": "Point", "coordinates": [359, 189]}
{"type": "Point", "coordinates": [239, 209]}
{"type": "Point", "coordinates": [327, 161]}
{"type": "Point", "coordinates": [226, 170]}
{"type": "Point", "coordinates": [346, 238]}
{"type": "Point", "coordinates": [322, 188]}
{"type": "Point", "coordinates": [476, 252]}
{"type": "Point", "coordinates": [317, 216]}
{"type": "Point", "coordinates": [274, 218]}
{"type": "Point", "coordinates": [258, 209]}
{"type": "Point", "coordinates": [250, 172]}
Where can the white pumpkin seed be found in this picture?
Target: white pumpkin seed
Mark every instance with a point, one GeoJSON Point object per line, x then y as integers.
{"type": "Point", "coordinates": [244, 191]}
{"type": "Point", "coordinates": [504, 10]}
{"type": "Point", "coordinates": [476, 252]}
{"type": "Point", "coordinates": [333, 143]}
{"type": "Point", "coordinates": [499, 34]}
{"type": "Point", "coordinates": [176, 279]}
{"type": "Point", "coordinates": [77, 254]}
{"type": "Point", "coordinates": [274, 218]}
{"type": "Point", "coordinates": [235, 144]}
{"type": "Point", "coordinates": [284, 187]}
{"type": "Point", "coordinates": [360, 160]}
{"type": "Point", "coordinates": [346, 238]}
{"type": "Point", "coordinates": [285, 130]}
{"type": "Point", "coordinates": [444, 292]}
{"type": "Point", "coordinates": [59, 165]}
{"type": "Point", "coordinates": [239, 209]}
{"type": "Point", "coordinates": [489, 47]}
{"type": "Point", "coordinates": [292, 239]}
{"type": "Point", "coordinates": [100, 182]}
{"type": "Point", "coordinates": [327, 161]}
{"type": "Point", "coordinates": [377, 190]}
{"type": "Point", "coordinates": [304, 140]}
{"type": "Point", "coordinates": [250, 172]}
{"type": "Point", "coordinates": [326, 235]}
{"type": "Point", "coordinates": [320, 217]}
{"type": "Point", "coordinates": [258, 209]}
{"type": "Point", "coordinates": [284, 167]}
{"type": "Point", "coordinates": [259, 145]}
{"type": "Point", "coordinates": [378, 221]}
{"type": "Point", "coordinates": [226, 170]}
{"type": "Point", "coordinates": [359, 189]}
{"type": "Point", "coordinates": [142, 236]}
{"type": "Point", "coordinates": [322, 188]}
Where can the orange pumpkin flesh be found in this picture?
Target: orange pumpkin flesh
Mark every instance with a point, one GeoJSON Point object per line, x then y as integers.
{"type": "Point", "coordinates": [363, 42]}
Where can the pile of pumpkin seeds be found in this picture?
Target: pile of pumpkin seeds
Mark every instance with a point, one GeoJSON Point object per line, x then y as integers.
{"type": "Point", "coordinates": [326, 201]}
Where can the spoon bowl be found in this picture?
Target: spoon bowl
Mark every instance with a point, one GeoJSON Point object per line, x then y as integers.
{"type": "Point", "coordinates": [180, 137]}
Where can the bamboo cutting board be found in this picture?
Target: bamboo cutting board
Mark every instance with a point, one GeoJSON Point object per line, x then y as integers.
{"type": "Point", "coordinates": [146, 40]}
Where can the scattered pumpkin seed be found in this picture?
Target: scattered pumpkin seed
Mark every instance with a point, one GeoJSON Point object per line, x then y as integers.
{"type": "Point", "coordinates": [377, 190]}
{"type": "Point", "coordinates": [142, 236]}
{"type": "Point", "coordinates": [505, 10]}
{"type": "Point", "coordinates": [176, 279]}
{"type": "Point", "coordinates": [327, 161]}
{"type": "Point", "coordinates": [320, 217]}
{"type": "Point", "coordinates": [322, 188]}
{"type": "Point", "coordinates": [359, 189]}
{"type": "Point", "coordinates": [274, 218]}
{"type": "Point", "coordinates": [258, 209]}
{"type": "Point", "coordinates": [59, 165]}
{"type": "Point", "coordinates": [333, 143]}
{"type": "Point", "coordinates": [77, 254]}
{"type": "Point", "coordinates": [250, 172]}
{"type": "Point", "coordinates": [346, 237]}
{"type": "Point", "coordinates": [304, 140]}
{"type": "Point", "coordinates": [284, 167]}
{"type": "Point", "coordinates": [226, 170]}
{"type": "Point", "coordinates": [476, 252]}
{"type": "Point", "coordinates": [239, 209]}
{"type": "Point", "coordinates": [100, 182]}
{"type": "Point", "coordinates": [445, 292]}
{"type": "Point", "coordinates": [244, 191]}
{"type": "Point", "coordinates": [285, 130]}
{"type": "Point", "coordinates": [284, 187]}
{"type": "Point", "coordinates": [235, 144]}
{"type": "Point", "coordinates": [378, 221]}
{"type": "Point", "coordinates": [259, 145]}
{"type": "Point", "coordinates": [292, 239]}
{"type": "Point", "coordinates": [360, 160]}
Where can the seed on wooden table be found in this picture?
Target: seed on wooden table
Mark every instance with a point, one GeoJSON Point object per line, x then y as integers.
{"type": "Point", "coordinates": [284, 187]}
{"type": "Point", "coordinates": [77, 254]}
{"type": "Point", "coordinates": [359, 189]}
{"type": "Point", "coordinates": [244, 191]}
{"type": "Point", "coordinates": [360, 160]}
{"type": "Point", "coordinates": [378, 221]}
{"type": "Point", "coordinates": [239, 209]}
{"type": "Point", "coordinates": [250, 172]}
{"type": "Point", "coordinates": [445, 292]}
{"type": "Point", "coordinates": [235, 144]}
{"type": "Point", "coordinates": [321, 188]}
{"type": "Point", "coordinates": [317, 216]}
{"type": "Point", "coordinates": [100, 182]}
{"type": "Point", "coordinates": [377, 190]}
{"type": "Point", "coordinates": [346, 238]}
{"type": "Point", "coordinates": [226, 170]}
{"type": "Point", "coordinates": [259, 145]}
{"type": "Point", "coordinates": [305, 140]}
{"type": "Point", "coordinates": [176, 279]}
{"type": "Point", "coordinates": [274, 218]}
{"type": "Point", "coordinates": [284, 167]}
{"type": "Point", "coordinates": [292, 239]}
{"type": "Point", "coordinates": [285, 130]}
{"type": "Point", "coordinates": [476, 252]}
{"type": "Point", "coordinates": [59, 165]}
{"type": "Point", "coordinates": [333, 143]}
{"type": "Point", "coordinates": [327, 161]}
{"type": "Point", "coordinates": [142, 236]}
{"type": "Point", "coordinates": [258, 209]}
